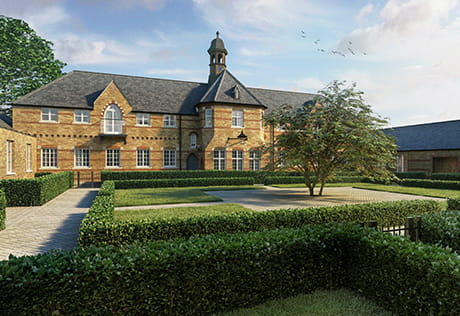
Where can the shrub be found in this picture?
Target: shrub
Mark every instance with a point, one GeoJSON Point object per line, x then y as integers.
{"type": "Point", "coordinates": [434, 184]}
{"type": "Point", "coordinates": [103, 230]}
{"type": "Point", "coordinates": [453, 204]}
{"type": "Point", "coordinates": [269, 180]}
{"type": "Point", "coordinates": [190, 182]}
{"type": "Point", "coordinates": [2, 210]}
{"type": "Point", "coordinates": [446, 176]}
{"type": "Point", "coordinates": [41, 174]}
{"type": "Point", "coordinates": [205, 275]}
{"type": "Point", "coordinates": [411, 175]}
{"type": "Point", "coordinates": [442, 228]}
{"type": "Point", "coordinates": [37, 191]}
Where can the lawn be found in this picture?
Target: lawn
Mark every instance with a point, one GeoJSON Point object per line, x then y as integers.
{"type": "Point", "coordinates": [181, 212]}
{"type": "Point", "coordinates": [156, 196]}
{"type": "Point", "coordinates": [319, 303]}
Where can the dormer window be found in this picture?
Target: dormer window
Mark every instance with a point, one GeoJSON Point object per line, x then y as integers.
{"type": "Point", "coordinates": [236, 92]}
{"type": "Point", "coordinates": [113, 124]}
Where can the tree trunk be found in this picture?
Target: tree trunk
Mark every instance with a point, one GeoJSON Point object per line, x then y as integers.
{"type": "Point", "coordinates": [312, 191]}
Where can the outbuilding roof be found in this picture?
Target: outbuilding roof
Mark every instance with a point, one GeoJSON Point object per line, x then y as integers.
{"type": "Point", "coordinates": [79, 89]}
{"type": "Point", "coordinates": [431, 136]}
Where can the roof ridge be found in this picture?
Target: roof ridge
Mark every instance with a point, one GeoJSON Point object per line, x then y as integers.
{"type": "Point", "coordinates": [430, 123]}
{"type": "Point", "coordinates": [244, 87]}
{"type": "Point", "coordinates": [290, 91]}
{"type": "Point", "coordinates": [136, 76]}
{"type": "Point", "coordinates": [210, 88]}
{"type": "Point", "coordinates": [221, 80]}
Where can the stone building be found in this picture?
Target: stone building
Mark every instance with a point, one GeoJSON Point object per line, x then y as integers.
{"type": "Point", "coordinates": [98, 121]}
{"type": "Point", "coordinates": [17, 152]}
{"type": "Point", "coordinates": [432, 147]}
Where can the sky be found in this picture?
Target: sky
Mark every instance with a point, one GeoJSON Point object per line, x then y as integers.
{"type": "Point", "coordinates": [403, 54]}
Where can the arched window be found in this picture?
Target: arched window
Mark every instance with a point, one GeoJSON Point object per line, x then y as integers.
{"type": "Point", "coordinates": [193, 139]}
{"type": "Point", "coordinates": [113, 124]}
{"type": "Point", "coordinates": [219, 59]}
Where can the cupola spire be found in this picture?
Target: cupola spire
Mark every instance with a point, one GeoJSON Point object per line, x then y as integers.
{"type": "Point", "coordinates": [217, 55]}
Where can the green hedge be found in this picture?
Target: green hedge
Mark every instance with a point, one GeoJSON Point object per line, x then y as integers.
{"type": "Point", "coordinates": [41, 174]}
{"type": "Point", "coordinates": [269, 180]}
{"type": "Point", "coordinates": [259, 176]}
{"type": "Point", "coordinates": [2, 210]}
{"type": "Point", "coordinates": [442, 228]}
{"type": "Point", "coordinates": [446, 176]}
{"type": "Point", "coordinates": [205, 275]}
{"type": "Point", "coordinates": [453, 204]}
{"type": "Point", "coordinates": [411, 175]}
{"type": "Point", "coordinates": [189, 182]}
{"type": "Point", "coordinates": [37, 191]}
{"type": "Point", "coordinates": [434, 184]}
{"type": "Point", "coordinates": [98, 226]}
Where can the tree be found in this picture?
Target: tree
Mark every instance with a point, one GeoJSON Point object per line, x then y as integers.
{"type": "Point", "coordinates": [26, 60]}
{"type": "Point", "coordinates": [336, 131]}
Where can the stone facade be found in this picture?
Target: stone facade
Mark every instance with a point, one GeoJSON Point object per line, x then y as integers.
{"type": "Point", "coordinates": [17, 154]}
{"type": "Point", "coordinates": [430, 161]}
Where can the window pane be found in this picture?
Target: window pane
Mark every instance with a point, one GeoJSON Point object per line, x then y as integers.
{"type": "Point", "coordinates": [169, 158]}
{"type": "Point", "coordinates": [113, 158]}
{"type": "Point", "coordinates": [49, 157]}
{"type": "Point", "coordinates": [81, 157]}
{"type": "Point", "coordinates": [237, 118]}
{"type": "Point", "coordinates": [219, 159]}
{"type": "Point", "coordinates": [208, 118]}
{"type": "Point", "coordinates": [143, 158]}
{"type": "Point", "coordinates": [237, 160]}
{"type": "Point", "coordinates": [254, 160]}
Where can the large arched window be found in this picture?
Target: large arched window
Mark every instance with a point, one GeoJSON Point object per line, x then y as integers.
{"type": "Point", "coordinates": [113, 124]}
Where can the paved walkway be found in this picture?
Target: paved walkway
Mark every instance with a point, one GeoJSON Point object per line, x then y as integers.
{"type": "Point", "coordinates": [276, 198]}
{"type": "Point", "coordinates": [33, 230]}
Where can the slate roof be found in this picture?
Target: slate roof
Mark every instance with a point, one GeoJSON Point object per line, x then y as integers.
{"type": "Point", "coordinates": [79, 89]}
{"type": "Point", "coordinates": [6, 122]}
{"type": "Point", "coordinates": [432, 136]}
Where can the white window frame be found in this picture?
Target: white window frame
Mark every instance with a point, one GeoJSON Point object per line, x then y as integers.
{"type": "Point", "coordinates": [238, 118]}
{"type": "Point", "coordinates": [254, 160]}
{"type": "Point", "coordinates": [193, 140]}
{"type": "Point", "coordinates": [169, 121]}
{"type": "Point", "coordinates": [143, 158]}
{"type": "Point", "coordinates": [49, 115]}
{"type": "Point", "coordinates": [82, 158]}
{"type": "Point", "coordinates": [49, 158]}
{"type": "Point", "coordinates": [237, 160]}
{"type": "Point", "coordinates": [142, 119]}
{"type": "Point", "coordinates": [113, 122]}
{"type": "Point", "coordinates": [112, 158]}
{"type": "Point", "coordinates": [208, 118]}
{"type": "Point", "coordinates": [169, 158]}
{"type": "Point", "coordinates": [28, 157]}
{"type": "Point", "coordinates": [81, 117]}
{"type": "Point", "coordinates": [9, 157]}
{"type": "Point", "coordinates": [219, 159]}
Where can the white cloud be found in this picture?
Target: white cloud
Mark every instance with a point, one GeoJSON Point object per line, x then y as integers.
{"type": "Point", "coordinates": [152, 5]}
{"type": "Point", "coordinates": [365, 11]}
{"type": "Point", "coordinates": [309, 84]}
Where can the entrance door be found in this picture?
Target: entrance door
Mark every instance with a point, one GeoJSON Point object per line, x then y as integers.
{"type": "Point", "coordinates": [192, 162]}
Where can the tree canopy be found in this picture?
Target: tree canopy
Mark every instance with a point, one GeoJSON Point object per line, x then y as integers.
{"type": "Point", "coordinates": [335, 131]}
{"type": "Point", "coordinates": [26, 60]}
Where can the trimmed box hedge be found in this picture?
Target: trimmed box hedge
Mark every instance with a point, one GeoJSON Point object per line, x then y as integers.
{"type": "Point", "coordinates": [411, 175]}
{"type": "Point", "coordinates": [446, 176]}
{"type": "Point", "coordinates": [37, 191]}
{"type": "Point", "coordinates": [2, 210]}
{"type": "Point", "coordinates": [205, 275]}
{"type": "Point", "coordinates": [98, 226]}
{"type": "Point", "coordinates": [434, 184]}
{"type": "Point", "coordinates": [189, 182]}
{"type": "Point", "coordinates": [269, 180]}
{"type": "Point", "coordinates": [442, 229]}
{"type": "Point", "coordinates": [453, 204]}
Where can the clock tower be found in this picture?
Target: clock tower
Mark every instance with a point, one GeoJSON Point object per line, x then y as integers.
{"type": "Point", "coordinates": [217, 55]}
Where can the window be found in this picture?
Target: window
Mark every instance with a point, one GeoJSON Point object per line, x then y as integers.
{"type": "Point", "coordinates": [237, 118]}
{"type": "Point", "coordinates": [28, 158]}
{"type": "Point", "coordinates": [81, 157]}
{"type": "Point", "coordinates": [193, 138]}
{"type": "Point", "coordinates": [143, 119]}
{"type": "Point", "coordinates": [49, 158]}
{"type": "Point", "coordinates": [49, 115]}
{"type": "Point", "coordinates": [237, 160]}
{"type": "Point", "coordinates": [81, 116]}
{"type": "Point", "coordinates": [219, 159]}
{"type": "Point", "coordinates": [169, 158]}
{"type": "Point", "coordinates": [112, 158]}
{"type": "Point", "coordinates": [254, 160]}
{"type": "Point", "coordinates": [169, 121]}
{"type": "Point", "coordinates": [9, 157]}
{"type": "Point", "coordinates": [208, 118]}
{"type": "Point", "coordinates": [113, 124]}
{"type": "Point", "coordinates": [143, 158]}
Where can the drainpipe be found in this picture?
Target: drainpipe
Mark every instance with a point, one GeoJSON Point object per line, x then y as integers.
{"type": "Point", "coordinates": [180, 142]}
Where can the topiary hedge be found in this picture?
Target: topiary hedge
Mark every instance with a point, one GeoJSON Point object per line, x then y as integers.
{"type": "Point", "coordinates": [37, 191]}
{"type": "Point", "coordinates": [434, 184]}
{"type": "Point", "coordinates": [2, 210]}
{"type": "Point", "coordinates": [190, 182]}
{"type": "Point", "coordinates": [98, 226]}
{"type": "Point", "coordinates": [446, 176]}
{"type": "Point", "coordinates": [411, 175]}
{"type": "Point", "coordinates": [209, 274]}
{"type": "Point", "coordinates": [442, 228]}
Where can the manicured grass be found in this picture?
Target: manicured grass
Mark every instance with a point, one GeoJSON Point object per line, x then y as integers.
{"type": "Point", "coordinates": [441, 193]}
{"type": "Point", "coordinates": [181, 212]}
{"type": "Point", "coordinates": [319, 303]}
{"type": "Point", "coordinates": [155, 196]}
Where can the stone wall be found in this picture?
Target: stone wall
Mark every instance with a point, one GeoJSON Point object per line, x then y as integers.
{"type": "Point", "coordinates": [20, 144]}
{"type": "Point", "coordinates": [431, 161]}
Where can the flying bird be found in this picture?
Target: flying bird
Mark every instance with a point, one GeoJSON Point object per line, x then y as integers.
{"type": "Point", "coordinates": [317, 41]}
{"type": "Point", "coordinates": [351, 51]}
{"type": "Point", "coordinates": [349, 42]}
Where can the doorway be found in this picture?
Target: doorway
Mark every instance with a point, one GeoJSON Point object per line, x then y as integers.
{"type": "Point", "coordinates": [192, 162]}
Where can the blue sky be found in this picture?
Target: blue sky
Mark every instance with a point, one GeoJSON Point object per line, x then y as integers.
{"type": "Point", "coordinates": [402, 53]}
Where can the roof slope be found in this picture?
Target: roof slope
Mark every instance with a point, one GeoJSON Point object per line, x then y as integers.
{"type": "Point", "coordinates": [6, 122]}
{"type": "Point", "coordinates": [79, 89]}
{"type": "Point", "coordinates": [431, 136]}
